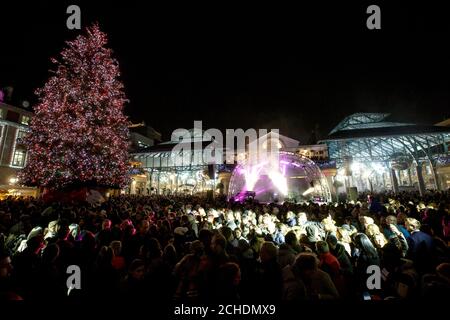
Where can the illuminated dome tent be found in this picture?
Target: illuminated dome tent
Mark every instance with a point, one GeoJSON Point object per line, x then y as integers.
{"type": "Point", "coordinates": [295, 178]}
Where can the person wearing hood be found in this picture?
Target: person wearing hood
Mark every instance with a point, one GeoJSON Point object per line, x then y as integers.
{"type": "Point", "coordinates": [338, 250]}
{"type": "Point", "coordinates": [330, 264]}
{"type": "Point", "coordinates": [51, 231]}
{"type": "Point", "coordinates": [36, 231]}
{"type": "Point", "coordinates": [75, 232]}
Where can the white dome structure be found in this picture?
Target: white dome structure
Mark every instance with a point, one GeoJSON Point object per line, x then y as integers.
{"type": "Point", "coordinates": [293, 178]}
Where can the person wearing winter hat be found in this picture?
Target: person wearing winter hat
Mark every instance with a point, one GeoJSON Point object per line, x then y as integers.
{"type": "Point", "coordinates": [36, 231]}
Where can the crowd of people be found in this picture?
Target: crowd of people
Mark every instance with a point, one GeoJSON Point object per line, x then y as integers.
{"type": "Point", "coordinates": [193, 249]}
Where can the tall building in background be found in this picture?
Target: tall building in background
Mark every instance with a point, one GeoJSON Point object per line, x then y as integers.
{"type": "Point", "coordinates": [143, 136]}
{"type": "Point", "coordinates": [13, 155]}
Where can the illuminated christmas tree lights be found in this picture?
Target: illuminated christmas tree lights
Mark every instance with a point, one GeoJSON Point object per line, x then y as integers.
{"type": "Point", "coordinates": [79, 134]}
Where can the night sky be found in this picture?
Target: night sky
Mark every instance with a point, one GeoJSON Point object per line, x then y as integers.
{"type": "Point", "coordinates": [291, 68]}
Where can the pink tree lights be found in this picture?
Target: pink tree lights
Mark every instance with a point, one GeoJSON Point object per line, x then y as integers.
{"type": "Point", "coordinates": [79, 134]}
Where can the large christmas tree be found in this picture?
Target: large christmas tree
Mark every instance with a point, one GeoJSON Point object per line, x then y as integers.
{"type": "Point", "coordinates": [79, 134]}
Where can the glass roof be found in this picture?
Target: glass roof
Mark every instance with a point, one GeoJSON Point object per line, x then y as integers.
{"type": "Point", "coordinates": [366, 120]}
{"type": "Point", "coordinates": [426, 145]}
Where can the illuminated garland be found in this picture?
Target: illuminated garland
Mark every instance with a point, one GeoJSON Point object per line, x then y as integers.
{"type": "Point", "coordinates": [79, 134]}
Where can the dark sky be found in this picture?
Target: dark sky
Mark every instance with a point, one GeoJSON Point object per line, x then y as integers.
{"type": "Point", "coordinates": [289, 68]}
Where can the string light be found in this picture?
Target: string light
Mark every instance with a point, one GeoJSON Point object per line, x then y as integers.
{"type": "Point", "coordinates": [79, 134]}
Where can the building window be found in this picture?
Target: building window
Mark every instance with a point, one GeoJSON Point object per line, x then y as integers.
{"type": "Point", "coordinates": [142, 145]}
{"type": "Point", "coordinates": [19, 158]}
{"type": "Point", "coordinates": [25, 120]}
{"type": "Point", "coordinates": [20, 135]}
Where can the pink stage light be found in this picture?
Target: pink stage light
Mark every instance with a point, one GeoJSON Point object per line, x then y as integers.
{"type": "Point", "coordinates": [271, 180]}
{"type": "Point", "coordinates": [279, 181]}
{"type": "Point", "coordinates": [252, 176]}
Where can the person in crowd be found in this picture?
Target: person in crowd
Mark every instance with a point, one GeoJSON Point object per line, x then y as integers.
{"type": "Point", "coordinates": [50, 282]}
{"type": "Point", "coordinates": [210, 265]}
{"type": "Point", "coordinates": [249, 250]}
{"type": "Point", "coordinates": [366, 255]}
{"type": "Point", "coordinates": [136, 241]}
{"type": "Point", "coordinates": [105, 276]}
{"type": "Point", "coordinates": [237, 236]}
{"type": "Point", "coordinates": [249, 269]}
{"type": "Point", "coordinates": [397, 241]}
{"type": "Point", "coordinates": [170, 257]}
{"type": "Point", "coordinates": [351, 225]}
{"type": "Point", "coordinates": [291, 219]}
{"type": "Point", "coordinates": [219, 249]}
{"type": "Point", "coordinates": [228, 235]}
{"type": "Point", "coordinates": [436, 286]}
{"type": "Point", "coordinates": [51, 230]}
{"type": "Point", "coordinates": [158, 275]}
{"type": "Point", "coordinates": [288, 250]}
{"type": "Point", "coordinates": [270, 273]}
{"type": "Point", "coordinates": [375, 235]}
{"type": "Point", "coordinates": [305, 281]}
{"type": "Point", "coordinates": [8, 289]}
{"type": "Point", "coordinates": [118, 261]}
{"type": "Point", "coordinates": [344, 236]}
{"type": "Point", "coordinates": [132, 287]}
{"type": "Point", "coordinates": [365, 221]}
{"type": "Point", "coordinates": [344, 258]}
{"type": "Point", "coordinates": [331, 265]}
{"type": "Point", "coordinates": [329, 225]}
{"type": "Point", "coordinates": [420, 245]}
{"type": "Point", "coordinates": [187, 272]}
{"type": "Point", "coordinates": [229, 277]}
{"type": "Point", "coordinates": [392, 220]}
{"type": "Point", "coordinates": [27, 263]}
{"type": "Point", "coordinates": [104, 236]}
{"type": "Point", "coordinates": [279, 234]}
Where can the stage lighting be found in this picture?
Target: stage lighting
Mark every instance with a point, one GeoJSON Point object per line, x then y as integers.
{"type": "Point", "coordinates": [279, 181]}
{"type": "Point", "coordinates": [308, 191]}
